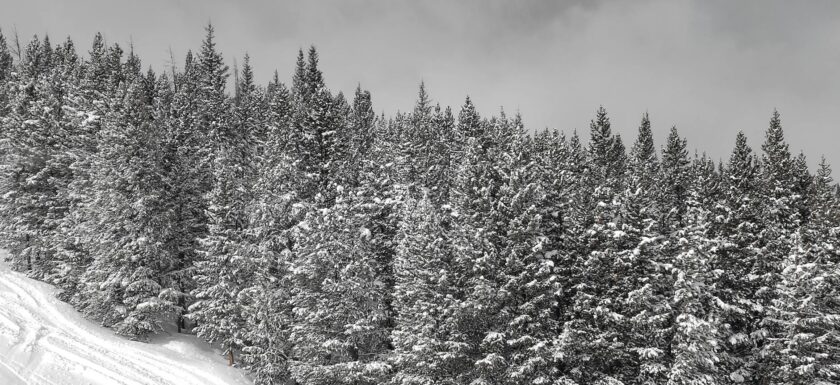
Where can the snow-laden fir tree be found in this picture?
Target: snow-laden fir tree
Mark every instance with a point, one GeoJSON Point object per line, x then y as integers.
{"type": "Point", "coordinates": [272, 213]}
{"type": "Point", "coordinates": [675, 177]}
{"type": "Point", "coordinates": [505, 328]}
{"type": "Point", "coordinates": [42, 115]}
{"type": "Point", "coordinates": [647, 278]}
{"type": "Point", "coordinates": [342, 273]}
{"type": "Point", "coordinates": [339, 331]}
{"type": "Point", "coordinates": [222, 269]}
{"type": "Point", "coordinates": [590, 344]}
{"type": "Point", "coordinates": [315, 126]}
{"type": "Point", "coordinates": [780, 216]}
{"type": "Point", "coordinates": [126, 285]}
{"type": "Point", "coordinates": [738, 231]}
{"type": "Point", "coordinates": [696, 336]}
{"type": "Point", "coordinates": [805, 318]}
{"type": "Point", "coordinates": [427, 347]}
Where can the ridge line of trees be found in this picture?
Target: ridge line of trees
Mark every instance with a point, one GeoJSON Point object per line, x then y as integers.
{"type": "Point", "coordinates": [317, 242]}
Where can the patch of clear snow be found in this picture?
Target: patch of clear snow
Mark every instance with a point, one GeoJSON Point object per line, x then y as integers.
{"type": "Point", "coordinates": [45, 341]}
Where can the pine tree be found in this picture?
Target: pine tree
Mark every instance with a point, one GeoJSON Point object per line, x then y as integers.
{"type": "Point", "coordinates": [780, 216]}
{"type": "Point", "coordinates": [272, 215]}
{"type": "Point", "coordinates": [339, 331]}
{"type": "Point", "coordinates": [675, 177]}
{"type": "Point", "coordinates": [647, 270]}
{"type": "Point", "coordinates": [475, 238]}
{"type": "Point", "coordinates": [605, 150]}
{"type": "Point", "coordinates": [224, 269]}
{"type": "Point", "coordinates": [125, 285]}
{"type": "Point", "coordinates": [697, 337]}
{"type": "Point", "coordinates": [96, 71]}
{"type": "Point", "coordinates": [5, 61]}
{"type": "Point", "coordinates": [469, 122]}
{"type": "Point", "coordinates": [37, 173]}
{"type": "Point", "coordinates": [315, 125]}
{"type": "Point", "coordinates": [739, 251]}
{"type": "Point", "coordinates": [802, 187]}
{"type": "Point", "coordinates": [644, 166]}
{"type": "Point", "coordinates": [505, 325]}
{"type": "Point", "coordinates": [806, 315]}
{"type": "Point", "coordinates": [198, 128]}
{"type": "Point", "coordinates": [529, 279]}
{"type": "Point", "coordinates": [426, 343]}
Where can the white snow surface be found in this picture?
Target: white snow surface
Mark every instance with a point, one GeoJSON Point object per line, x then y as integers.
{"type": "Point", "coordinates": [45, 341]}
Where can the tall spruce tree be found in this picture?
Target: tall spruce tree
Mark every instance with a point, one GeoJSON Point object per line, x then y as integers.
{"type": "Point", "coordinates": [427, 347]}
{"type": "Point", "coordinates": [223, 269]}
{"type": "Point", "coordinates": [125, 285]}
{"type": "Point", "coordinates": [675, 178]}
{"type": "Point", "coordinates": [738, 253]}
{"type": "Point", "coordinates": [697, 335]}
{"type": "Point", "coordinates": [806, 314]}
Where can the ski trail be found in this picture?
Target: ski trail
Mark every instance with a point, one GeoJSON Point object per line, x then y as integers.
{"type": "Point", "coordinates": [44, 341]}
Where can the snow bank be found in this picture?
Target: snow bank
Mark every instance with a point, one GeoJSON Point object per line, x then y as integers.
{"type": "Point", "coordinates": [45, 341]}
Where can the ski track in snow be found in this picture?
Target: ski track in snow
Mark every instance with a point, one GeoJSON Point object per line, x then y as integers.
{"type": "Point", "coordinates": [45, 341]}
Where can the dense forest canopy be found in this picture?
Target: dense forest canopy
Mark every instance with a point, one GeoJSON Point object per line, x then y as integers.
{"type": "Point", "coordinates": [317, 242]}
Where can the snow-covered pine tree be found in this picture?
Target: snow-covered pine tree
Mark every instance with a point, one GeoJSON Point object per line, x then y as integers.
{"type": "Point", "coordinates": [696, 336]}
{"type": "Point", "coordinates": [505, 319]}
{"type": "Point", "coordinates": [124, 287]}
{"type": "Point", "coordinates": [475, 257]}
{"type": "Point", "coordinates": [427, 347]}
{"type": "Point", "coordinates": [590, 345]}
{"type": "Point", "coordinates": [553, 166]}
{"type": "Point", "coordinates": [781, 207]}
{"type": "Point", "coordinates": [20, 215]}
{"type": "Point", "coordinates": [223, 269]}
{"type": "Point", "coordinates": [6, 62]}
{"type": "Point", "coordinates": [41, 118]}
{"type": "Point", "coordinates": [738, 232]}
{"type": "Point", "coordinates": [675, 177]}
{"type": "Point", "coordinates": [197, 126]}
{"type": "Point", "coordinates": [93, 98]}
{"type": "Point", "coordinates": [340, 333]}
{"type": "Point", "coordinates": [529, 317]}
{"type": "Point", "coordinates": [805, 317]}
{"type": "Point", "coordinates": [470, 125]}
{"type": "Point", "coordinates": [272, 213]}
{"type": "Point", "coordinates": [606, 152]}
{"type": "Point", "coordinates": [71, 254]}
{"type": "Point", "coordinates": [551, 153]}
{"type": "Point", "coordinates": [802, 187]}
{"type": "Point", "coordinates": [425, 141]}
{"type": "Point", "coordinates": [577, 198]}
{"type": "Point", "coordinates": [314, 134]}
{"type": "Point", "coordinates": [644, 167]}
{"type": "Point", "coordinates": [447, 146]}
{"type": "Point", "coordinates": [341, 272]}
{"type": "Point", "coordinates": [647, 276]}
{"type": "Point", "coordinates": [779, 180]}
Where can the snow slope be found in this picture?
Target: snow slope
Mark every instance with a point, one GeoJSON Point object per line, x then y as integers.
{"type": "Point", "coordinates": [45, 341]}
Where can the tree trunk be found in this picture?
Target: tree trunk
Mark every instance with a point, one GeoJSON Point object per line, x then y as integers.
{"type": "Point", "coordinates": [230, 357]}
{"type": "Point", "coordinates": [182, 324]}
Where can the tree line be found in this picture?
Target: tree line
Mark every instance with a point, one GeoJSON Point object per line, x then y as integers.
{"type": "Point", "coordinates": [318, 242]}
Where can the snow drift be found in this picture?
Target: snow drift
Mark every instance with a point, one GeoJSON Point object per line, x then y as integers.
{"type": "Point", "coordinates": [45, 341]}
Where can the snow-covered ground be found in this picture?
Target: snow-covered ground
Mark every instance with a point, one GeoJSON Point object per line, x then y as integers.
{"type": "Point", "coordinates": [45, 341]}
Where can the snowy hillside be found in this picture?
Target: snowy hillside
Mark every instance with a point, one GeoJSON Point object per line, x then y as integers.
{"type": "Point", "coordinates": [45, 341]}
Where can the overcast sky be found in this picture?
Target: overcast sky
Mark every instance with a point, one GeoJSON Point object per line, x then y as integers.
{"type": "Point", "coordinates": [709, 67]}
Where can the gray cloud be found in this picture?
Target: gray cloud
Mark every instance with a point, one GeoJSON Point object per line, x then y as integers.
{"type": "Point", "coordinates": [710, 67]}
